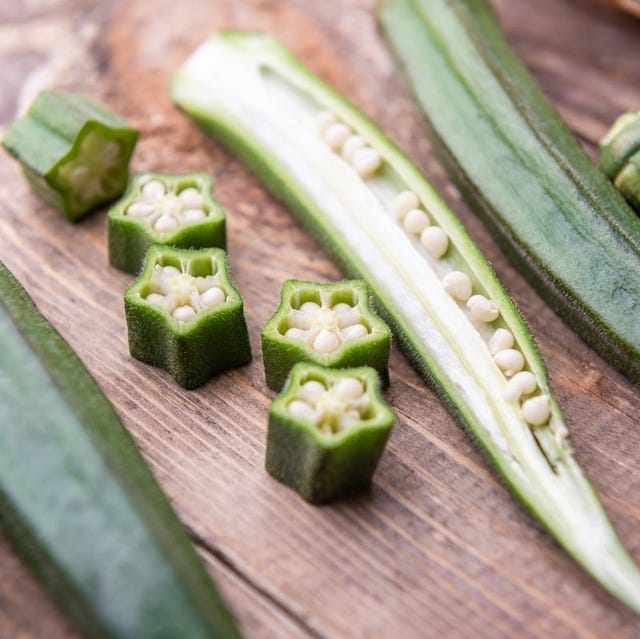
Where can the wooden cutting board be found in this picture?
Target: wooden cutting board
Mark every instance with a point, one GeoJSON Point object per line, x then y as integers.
{"type": "Point", "coordinates": [437, 548]}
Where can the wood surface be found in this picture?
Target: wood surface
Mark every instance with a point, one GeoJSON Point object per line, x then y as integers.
{"type": "Point", "coordinates": [437, 547]}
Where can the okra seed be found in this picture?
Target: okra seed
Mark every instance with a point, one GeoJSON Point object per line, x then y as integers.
{"type": "Point", "coordinates": [366, 162]}
{"type": "Point", "coordinates": [153, 189]}
{"type": "Point", "coordinates": [191, 198]}
{"type": "Point", "coordinates": [458, 285]}
{"type": "Point", "coordinates": [170, 271]}
{"type": "Point", "coordinates": [301, 410]}
{"type": "Point", "coordinates": [435, 240]}
{"type": "Point", "coordinates": [193, 215]}
{"type": "Point", "coordinates": [312, 390]}
{"type": "Point", "coordinates": [510, 361]}
{"type": "Point", "coordinates": [522, 383]}
{"type": "Point", "coordinates": [349, 318]}
{"type": "Point", "coordinates": [140, 209]}
{"type": "Point", "coordinates": [326, 342]}
{"type": "Point", "coordinates": [309, 307]}
{"type": "Point", "coordinates": [336, 135]}
{"type": "Point", "coordinates": [213, 297]}
{"type": "Point", "coordinates": [483, 309]}
{"type": "Point", "coordinates": [416, 221]}
{"type": "Point", "coordinates": [165, 224]}
{"type": "Point", "coordinates": [300, 320]}
{"type": "Point", "coordinates": [156, 299]}
{"type": "Point", "coordinates": [296, 333]}
{"type": "Point", "coordinates": [500, 340]}
{"type": "Point", "coordinates": [342, 307]}
{"type": "Point", "coordinates": [354, 332]}
{"type": "Point", "coordinates": [184, 313]}
{"type": "Point", "coordinates": [324, 121]}
{"type": "Point", "coordinates": [351, 146]}
{"type": "Point", "coordinates": [537, 410]}
{"type": "Point", "coordinates": [404, 202]}
{"type": "Point", "coordinates": [205, 283]}
{"type": "Point", "coordinates": [349, 388]}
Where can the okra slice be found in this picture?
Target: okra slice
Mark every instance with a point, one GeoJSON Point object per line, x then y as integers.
{"type": "Point", "coordinates": [176, 210]}
{"type": "Point", "coordinates": [620, 156]}
{"type": "Point", "coordinates": [327, 431]}
{"type": "Point", "coordinates": [185, 316]}
{"type": "Point", "coordinates": [330, 325]}
{"type": "Point", "coordinates": [74, 153]}
{"type": "Point", "coordinates": [382, 221]}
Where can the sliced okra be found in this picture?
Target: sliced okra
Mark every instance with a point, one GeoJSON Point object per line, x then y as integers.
{"type": "Point", "coordinates": [327, 431]}
{"type": "Point", "coordinates": [176, 210]}
{"type": "Point", "coordinates": [185, 316]}
{"type": "Point", "coordinates": [330, 325]}
{"type": "Point", "coordinates": [74, 153]}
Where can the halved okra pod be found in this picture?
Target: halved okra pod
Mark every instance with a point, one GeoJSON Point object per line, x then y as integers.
{"type": "Point", "coordinates": [327, 431]}
{"type": "Point", "coordinates": [620, 156]}
{"type": "Point", "coordinates": [328, 324]}
{"type": "Point", "coordinates": [176, 210]}
{"type": "Point", "coordinates": [74, 153]}
{"type": "Point", "coordinates": [185, 316]}
{"type": "Point", "coordinates": [377, 215]}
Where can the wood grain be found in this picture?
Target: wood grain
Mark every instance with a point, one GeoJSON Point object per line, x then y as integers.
{"type": "Point", "coordinates": [437, 548]}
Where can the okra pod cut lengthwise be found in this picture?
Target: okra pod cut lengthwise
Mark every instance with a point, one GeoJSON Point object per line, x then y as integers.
{"type": "Point", "coordinates": [523, 171]}
{"type": "Point", "coordinates": [379, 218]}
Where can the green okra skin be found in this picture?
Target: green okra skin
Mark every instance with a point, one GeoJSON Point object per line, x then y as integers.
{"type": "Point", "coordinates": [328, 337]}
{"type": "Point", "coordinates": [523, 171]}
{"type": "Point", "coordinates": [158, 208]}
{"type": "Point", "coordinates": [79, 503]}
{"type": "Point", "coordinates": [314, 454]}
{"type": "Point", "coordinates": [432, 285]}
{"type": "Point", "coordinates": [173, 325]}
{"type": "Point", "coordinates": [74, 153]}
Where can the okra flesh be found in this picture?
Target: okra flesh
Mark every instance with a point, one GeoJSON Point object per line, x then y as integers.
{"type": "Point", "coordinates": [264, 105]}
{"type": "Point", "coordinates": [78, 501]}
{"type": "Point", "coordinates": [553, 211]}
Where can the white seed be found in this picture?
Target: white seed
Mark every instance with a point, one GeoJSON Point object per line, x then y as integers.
{"type": "Point", "coordinates": [296, 333]}
{"type": "Point", "coordinates": [153, 189]}
{"type": "Point", "coordinates": [302, 410]}
{"type": "Point", "coordinates": [342, 307]}
{"type": "Point", "coordinates": [326, 342]}
{"type": "Point", "coordinates": [435, 240]}
{"type": "Point", "coordinates": [156, 299]}
{"type": "Point", "coordinates": [349, 318]}
{"type": "Point", "coordinates": [510, 361]}
{"type": "Point", "coordinates": [537, 410]}
{"type": "Point", "coordinates": [213, 297]}
{"type": "Point", "coordinates": [310, 307]}
{"type": "Point", "coordinates": [170, 272]}
{"type": "Point", "coordinates": [140, 209]}
{"type": "Point", "coordinates": [165, 224]}
{"type": "Point", "coordinates": [348, 419]}
{"type": "Point", "coordinates": [336, 135]}
{"type": "Point", "coordinates": [324, 121]}
{"type": "Point", "coordinates": [354, 332]}
{"type": "Point", "coordinates": [205, 283]}
{"type": "Point", "coordinates": [300, 320]}
{"type": "Point", "coordinates": [415, 221]}
{"type": "Point", "coordinates": [404, 202]}
{"type": "Point", "coordinates": [458, 285]}
{"type": "Point", "coordinates": [523, 383]}
{"type": "Point", "coordinates": [349, 388]}
{"type": "Point", "coordinates": [191, 198]}
{"type": "Point", "coordinates": [500, 340]}
{"type": "Point", "coordinates": [312, 391]}
{"type": "Point", "coordinates": [354, 143]}
{"type": "Point", "coordinates": [366, 162]}
{"type": "Point", "coordinates": [184, 313]}
{"type": "Point", "coordinates": [483, 309]}
{"type": "Point", "coordinates": [193, 215]}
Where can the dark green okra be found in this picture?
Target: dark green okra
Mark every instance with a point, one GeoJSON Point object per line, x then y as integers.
{"type": "Point", "coordinates": [330, 325]}
{"type": "Point", "coordinates": [185, 316]}
{"type": "Point", "coordinates": [327, 431]}
{"type": "Point", "coordinates": [74, 153]}
{"type": "Point", "coordinates": [620, 156]}
{"type": "Point", "coordinates": [158, 208]}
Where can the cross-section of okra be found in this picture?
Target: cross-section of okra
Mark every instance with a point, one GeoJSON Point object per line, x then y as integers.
{"type": "Point", "coordinates": [382, 221]}
{"type": "Point", "coordinates": [184, 315]}
{"type": "Point", "coordinates": [327, 431]}
{"type": "Point", "coordinates": [74, 153]}
{"type": "Point", "coordinates": [177, 210]}
{"type": "Point", "coordinates": [328, 324]}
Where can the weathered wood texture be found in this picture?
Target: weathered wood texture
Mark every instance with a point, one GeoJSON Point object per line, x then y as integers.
{"type": "Point", "coordinates": [437, 548]}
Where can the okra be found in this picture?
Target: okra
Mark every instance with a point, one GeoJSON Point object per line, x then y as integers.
{"type": "Point", "coordinates": [331, 325]}
{"type": "Point", "coordinates": [523, 171]}
{"type": "Point", "coordinates": [78, 501]}
{"type": "Point", "coordinates": [372, 210]}
{"type": "Point", "coordinates": [620, 156]}
{"type": "Point", "coordinates": [185, 316]}
{"type": "Point", "coordinates": [74, 153]}
{"type": "Point", "coordinates": [327, 431]}
{"type": "Point", "coordinates": [176, 210]}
